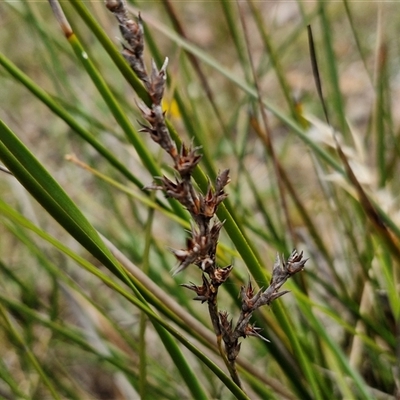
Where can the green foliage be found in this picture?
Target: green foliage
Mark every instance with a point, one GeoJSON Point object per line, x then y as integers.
{"type": "Point", "coordinates": [92, 310]}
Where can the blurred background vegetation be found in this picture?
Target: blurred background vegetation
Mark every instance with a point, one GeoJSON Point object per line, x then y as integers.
{"type": "Point", "coordinates": [66, 333]}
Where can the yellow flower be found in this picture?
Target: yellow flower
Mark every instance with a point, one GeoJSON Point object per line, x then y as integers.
{"type": "Point", "coordinates": [171, 107]}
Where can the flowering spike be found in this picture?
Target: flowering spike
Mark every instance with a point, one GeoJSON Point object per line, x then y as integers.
{"type": "Point", "coordinates": [201, 245]}
{"type": "Point", "coordinates": [252, 330]}
{"type": "Point", "coordinates": [203, 292]}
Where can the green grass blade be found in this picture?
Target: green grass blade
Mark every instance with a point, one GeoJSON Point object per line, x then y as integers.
{"type": "Point", "coordinates": [334, 348]}
{"type": "Point", "coordinates": [337, 101]}
{"type": "Point", "coordinates": [173, 349]}
{"type": "Point", "coordinates": [183, 366]}
{"type": "Point", "coordinates": [16, 336]}
{"type": "Point", "coordinates": [118, 113]}
{"type": "Point", "coordinates": [142, 329]}
{"type": "Point", "coordinates": [275, 59]}
{"type": "Point", "coordinates": [8, 378]}
{"type": "Point", "coordinates": [112, 51]}
{"type": "Point", "coordinates": [235, 33]}
{"type": "Point", "coordinates": [114, 106]}
{"type": "Point", "coordinates": [50, 102]}
{"type": "Point", "coordinates": [33, 176]}
{"type": "Point", "coordinates": [207, 59]}
{"type": "Point", "coordinates": [237, 236]}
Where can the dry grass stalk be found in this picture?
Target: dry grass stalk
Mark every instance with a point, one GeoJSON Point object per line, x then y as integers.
{"type": "Point", "coordinates": [202, 244]}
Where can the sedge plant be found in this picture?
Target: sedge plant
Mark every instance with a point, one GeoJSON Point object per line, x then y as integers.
{"type": "Point", "coordinates": [89, 307]}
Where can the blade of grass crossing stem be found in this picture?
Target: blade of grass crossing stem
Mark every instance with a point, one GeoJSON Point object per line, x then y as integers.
{"type": "Point", "coordinates": [70, 334]}
{"type": "Point", "coordinates": [236, 234]}
{"type": "Point", "coordinates": [237, 37]}
{"type": "Point", "coordinates": [50, 59]}
{"type": "Point", "coordinates": [56, 272]}
{"type": "Point", "coordinates": [335, 349]}
{"type": "Point", "coordinates": [34, 177]}
{"type": "Point", "coordinates": [249, 256]}
{"type": "Point", "coordinates": [248, 253]}
{"type": "Point", "coordinates": [275, 59]}
{"type": "Point", "coordinates": [303, 357]}
{"type": "Point", "coordinates": [12, 331]}
{"type": "Point", "coordinates": [67, 117]}
{"type": "Point", "coordinates": [381, 110]}
{"type": "Point", "coordinates": [113, 105]}
{"type": "Point", "coordinates": [337, 101]}
{"type": "Point", "coordinates": [8, 378]}
{"type": "Point", "coordinates": [172, 346]}
{"type": "Point", "coordinates": [142, 328]}
{"type": "Point", "coordinates": [356, 36]}
{"type": "Point", "coordinates": [226, 213]}
{"type": "Point", "coordinates": [391, 275]}
{"type": "Point", "coordinates": [248, 89]}
{"type": "Point", "coordinates": [111, 49]}
{"type": "Point", "coordinates": [12, 215]}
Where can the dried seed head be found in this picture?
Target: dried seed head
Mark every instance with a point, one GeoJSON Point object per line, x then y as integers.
{"type": "Point", "coordinates": [187, 160]}
{"type": "Point", "coordinates": [295, 263]}
{"type": "Point", "coordinates": [283, 270]}
{"type": "Point", "coordinates": [220, 275]}
{"type": "Point", "coordinates": [278, 272]}
{"type": "Point", "coordinates": [203, 292]}
{"type": "Point", "coordinates": [157, 129]}
{"type": "Point", "coordinates": [116, 6]}
{"type": "Point", "coordinates": [249, 299]}
{"type": "Point", "coordinates": [222, 180]}
{"type": "Point", "coordinates": [156, 83]}
{"type": "Point", "coordinates": [135, 63]}
{"type": "Point", "coordinates": [132, 32]}
{"type": "Point", "coordinates": [200, 251]}
{"type": "Point", "coordinates": [252, 330]}
{"type": "Point", "coordinates": [212, 199]}
{"type": "Point", "coordinates": [226, 325]}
